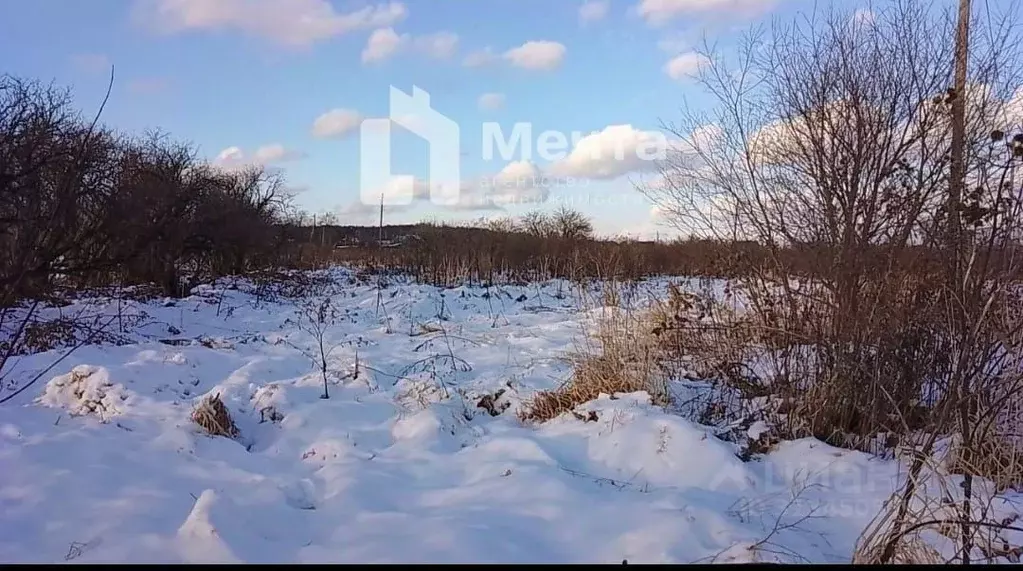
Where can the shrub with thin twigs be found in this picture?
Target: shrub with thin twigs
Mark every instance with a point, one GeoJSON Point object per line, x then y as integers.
{"type": "Point", "coordinates": [929, 527]}
{"type": "Point", "coordinates": [318, 318]}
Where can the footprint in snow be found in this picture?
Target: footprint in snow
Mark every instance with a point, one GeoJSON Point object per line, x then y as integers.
{"type": "Point", "coordinates": [299, 494]}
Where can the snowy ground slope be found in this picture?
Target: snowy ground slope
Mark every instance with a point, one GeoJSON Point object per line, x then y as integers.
{"type": "Point", "coordinates": [102, 464]}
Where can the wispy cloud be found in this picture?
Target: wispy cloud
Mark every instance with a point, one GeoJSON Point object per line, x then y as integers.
{"type": "Point", "coordinates": [294, 23]}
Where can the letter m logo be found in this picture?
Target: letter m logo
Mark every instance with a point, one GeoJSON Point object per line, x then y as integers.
{"type": "Point", "coordinates": [414, 113]}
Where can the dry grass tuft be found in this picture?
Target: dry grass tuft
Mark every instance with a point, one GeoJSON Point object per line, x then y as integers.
{"type": "Point", "coordinates": [595, 375]}
{"type": "Point", "coordinates": [683, 333]}
{"type": "Point", "coordinates": [625, 356]}
{"type": "Point", "coordinates": [994, 458]}
{"type": "Point", "coordinates": [212, 416]}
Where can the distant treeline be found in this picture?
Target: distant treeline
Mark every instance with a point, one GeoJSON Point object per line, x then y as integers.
{"type": "Point", "coordinates": [82, 205]}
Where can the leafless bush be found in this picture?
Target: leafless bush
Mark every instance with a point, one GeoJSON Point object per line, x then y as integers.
{"type": "Point", "coordinates": [829, 140]}
{"type": "Point", "coordinates": [875, 149]}
{"type": "Point", "coordinates": [84, 206]}
{"type": "Point", "coordinates": [909, 531]}
{"type": "Point", "coordinates": [318, 318]}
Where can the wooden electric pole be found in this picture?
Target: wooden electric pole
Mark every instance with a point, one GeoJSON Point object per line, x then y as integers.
{"type": "Point", "coordinates": [957, 174]}
{"type": "Point", "coordinates": [956, 184]}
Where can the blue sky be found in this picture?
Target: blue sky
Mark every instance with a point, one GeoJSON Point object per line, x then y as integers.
{"type": "Point", "coordinates": [237, 76]}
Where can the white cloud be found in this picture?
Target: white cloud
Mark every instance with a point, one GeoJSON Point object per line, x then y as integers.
{"type": "Point", "coordinates": [401, 190]}
{"type": "Point", "coordinates": [593, 10]}
{"type": "Point", "coordinates": [295, 23]}
{"type": "Point", "coordinates": [513, 172]}
{"type": "Point", "coordinates": [491, 101]}
{"type": "Point", "coordinates": [365, 213]}
{"type": "Point", "coordinates": [613, 152]}
{"type": "Point", "coordinates": [233, 158]}
{"type": "Point", "coordinates": [399, 194]}
{"type": "Point", "coordinates": [685, 65]}
{"type": "Point", "coordinates": [336, 123]}
{"type": "Point", "coordinates": [660, 12]}
{"type": "Point", "coordinates": [657, 226]}
{"type": "Point", "coordinates": [775, 140]}
{"type": "Point", "coordinates": [693, 148]}
{"type": "Point", "coordinates": [540, 55]}
{"type": "Point", "coordinates": [275, 153]}
{"type": "Point", "coordinates": [382, 44]}
{"type": "Point", "coordinates": [480, 58]}
{"type": "Point", "coordinates": [441, 45]}
{"type": "Point", "coordinates": [518, 183]}
{"type": "Point", "coordinates": [1012, 111]}
{"type": "Point", "coordinates": [706, 137]}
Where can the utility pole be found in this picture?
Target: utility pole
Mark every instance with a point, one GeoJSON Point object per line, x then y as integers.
{"type": "Point", "coordinates": [380, 238]}
{"type": "Point", "coordinates": [956, 183]}
{"type": "Point", "coordinates": [957, 179]}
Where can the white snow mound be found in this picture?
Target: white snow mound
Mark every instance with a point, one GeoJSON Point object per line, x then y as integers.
{"type": "Point", "coordinates": [86, 390]}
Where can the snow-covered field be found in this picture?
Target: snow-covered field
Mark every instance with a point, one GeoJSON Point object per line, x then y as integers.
{"type": "Point", "coordinates": [100, 462]}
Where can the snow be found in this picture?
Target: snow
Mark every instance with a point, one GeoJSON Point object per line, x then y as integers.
{"type": "Point", "coordinates": [100, 462]}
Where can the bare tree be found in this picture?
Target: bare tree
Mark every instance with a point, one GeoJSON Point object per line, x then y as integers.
{"type": "Point", "coordinates": [832, 138]}
{"type": "Point", "coordinates": [570, 224]}
{"type": "Point", "coordinates": [536, 223]}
